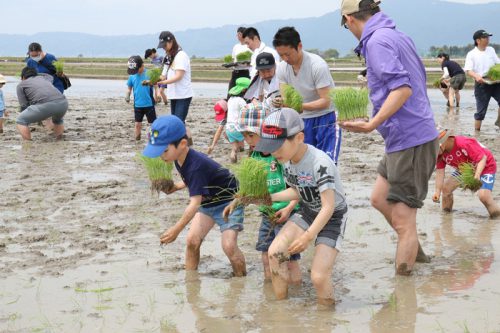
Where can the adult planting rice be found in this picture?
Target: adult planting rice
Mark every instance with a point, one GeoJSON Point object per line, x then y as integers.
{"type": "Point", "coordinates": [454, 79]}
{"type": "Point", "coordinates": [309, 74]}
{"type": "Point", "coordinates": [477, 64]}
{"type": "Point", "coordinates": [39, 100]}
{"type": "Point", "coordinates": [403, 116]}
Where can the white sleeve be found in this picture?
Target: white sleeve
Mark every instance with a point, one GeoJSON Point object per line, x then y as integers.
{"type": "Point", "coordinates": [181, 61]}
{"type": "Point", "coordinates": [469, 63]}
{"type": "Point", "coordinates": [446, 73]}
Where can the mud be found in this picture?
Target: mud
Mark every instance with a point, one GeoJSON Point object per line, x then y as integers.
{"type": "Point", "coordinates": [80, 252]}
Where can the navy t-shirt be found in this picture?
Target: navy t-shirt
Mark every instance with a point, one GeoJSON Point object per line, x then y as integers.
{"type": "Point", "coordinates": [453, 67]}
{"type": "Point", "coordinates": [45, 66]}
{"type": "Point", "coordinates": [203, 176]}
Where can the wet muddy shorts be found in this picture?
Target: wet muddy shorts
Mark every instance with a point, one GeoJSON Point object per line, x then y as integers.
{"type": "Point", "coordinates": [234, 221]}
{"type": "Point", "coordinates": [267, 233]}
{"type": "Point", "coordinates": [487, 179]}
{"type": "Point", "coordinates": [408, 172]}
{"type": "Point", "coordinates": [332, 233]}
{"type": "Point", "coordinates": [458, 81]}
{"type": "Point", "coordinates": [148, 111]}
{"type": "Point", "coordinates": [38, 112]}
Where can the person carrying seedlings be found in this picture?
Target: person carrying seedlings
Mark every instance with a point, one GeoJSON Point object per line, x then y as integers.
{"type": "Point", "coordinates": [157, 62]}
{"type": "Point", "coordinates": [309, 74]}
{"type": "Point", "coordinates": [144, 104]}
{"type": "Point", "coordinates": [457, 151]}
{"type": "Point", "coordinates": [235, 103]}
{"type": "Point", "coordinates": [274, 216]}
{"type": "Point", "coordinates": [315, 181]}
{"type": "Point", "coordinates": [2, 103]}
{"type": "Point", "coordinates": [251, 38]}
{"type": "Point", "coordinates": [43, 62]}
{"type": "Point", "coordinates": [477, 64]}
{"type": "Point", "coordinates": [239, 70]}
{"type": "Point", "coordinates": [454, 77]}
{"type": "Point", "coordinates": [402, 115]}
{"type": "Point", "coordinates": [220, 109]}
{"type": "Point", "coordinates": [211, 188]}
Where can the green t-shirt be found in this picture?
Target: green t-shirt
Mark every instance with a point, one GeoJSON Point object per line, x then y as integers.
{"type": "Point", "coordinates": [275, 180]}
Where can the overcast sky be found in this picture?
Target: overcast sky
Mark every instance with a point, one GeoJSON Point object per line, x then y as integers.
{"type": "Point", "coordinates": [120, 17]}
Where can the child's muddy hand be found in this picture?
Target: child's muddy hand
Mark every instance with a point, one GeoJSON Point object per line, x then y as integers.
{"type": "Point", "coordinates": [169, 236]}
{"type": "Point", "coordinates": [210, 150]}
{"type": "Point", "coordinates": [282, 215]}
{"type": "Point", "coordinates": [435, 197]}
{"type": "Point", "coordinates": [228, 211]}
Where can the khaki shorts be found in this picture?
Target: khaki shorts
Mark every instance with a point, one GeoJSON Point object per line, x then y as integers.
{"type": "Point", "coordinates": [458, 81]}
{"type": "Point", "coordinates": [408, 172]}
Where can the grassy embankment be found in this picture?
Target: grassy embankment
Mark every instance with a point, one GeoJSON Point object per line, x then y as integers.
{"type": "Point", "coordinates": [203, 70]}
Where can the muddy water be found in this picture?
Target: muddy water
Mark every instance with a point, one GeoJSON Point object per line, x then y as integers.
{"type": "Point", "coordinates": [79, 249]}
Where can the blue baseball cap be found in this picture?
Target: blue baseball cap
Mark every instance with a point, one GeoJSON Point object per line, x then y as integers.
{"type": "Point", "coordinates": [163, 131]}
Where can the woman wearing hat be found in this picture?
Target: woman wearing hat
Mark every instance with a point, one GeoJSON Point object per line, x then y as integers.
{"type": "Point", "coordinates": [177, 76]}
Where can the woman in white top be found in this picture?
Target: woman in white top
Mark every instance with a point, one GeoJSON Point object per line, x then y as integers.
{"type": "Point", "coordinates": [177, 76]}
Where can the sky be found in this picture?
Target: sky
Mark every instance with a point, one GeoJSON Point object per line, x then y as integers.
{"type": "Point", "coordinates": [133, 17]}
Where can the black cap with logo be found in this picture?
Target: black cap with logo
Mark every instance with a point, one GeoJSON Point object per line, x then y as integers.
{"type": "Point", "coordinates": [165, 36]}
{"type": "Point", "coordinates": [134, 63]}
{"type": "Point", "coordinates": [265, 60]}
{"type": "Point", "coordinates": [481, 34]}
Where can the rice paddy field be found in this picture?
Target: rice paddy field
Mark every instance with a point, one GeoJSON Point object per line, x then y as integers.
{"type": "Point", "coordinates": [80, 250]}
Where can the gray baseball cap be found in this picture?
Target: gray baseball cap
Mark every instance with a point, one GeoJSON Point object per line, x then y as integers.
{"type": "Point", "coordinates": [277, 127]}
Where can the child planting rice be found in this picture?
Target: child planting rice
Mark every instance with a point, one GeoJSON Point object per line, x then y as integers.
{"type": "Point", "coordinates": [159, 173]}
{"type": "Point", "coordinates": [475, 169]}
{"type": "Point", "coordinates": [351, 104]}
{"type": "Point", "coordinates": [292, 98]}
{"type": "Point", "coordinates": [252, 179]}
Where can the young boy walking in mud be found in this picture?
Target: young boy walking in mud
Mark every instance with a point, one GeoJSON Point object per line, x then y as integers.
{"type": "Point", "coordinates": [211, 188]}
{"type": "Point", "coordinates": [315, 181]}
{"type": "Point", "coordinates": [144, 104]}
{"type": "Point", "coordinates": [249, 124]}
{"type": "Point", "coordinates": [455, 150]}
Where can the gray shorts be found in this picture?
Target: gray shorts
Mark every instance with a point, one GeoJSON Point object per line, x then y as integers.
{"type": "Point", "coordinates": [408, 172]}
{"type": "Point", "coordinates": [458, 81]}
{"type": "Point", "coordinates": [332, 233]}
{"type": "Point", "coordinates": [38, 112]}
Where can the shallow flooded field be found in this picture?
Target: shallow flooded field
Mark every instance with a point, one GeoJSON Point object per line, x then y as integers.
{"type": "Point", "coordinates": [79, 246]}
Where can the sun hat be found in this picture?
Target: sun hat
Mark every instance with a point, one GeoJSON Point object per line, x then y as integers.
{"type": "Point", "coordinates": [349, 7]}
{"type": "Point", "coordinates": [2, 79]}
{"type": "Point", "coordinates": [277, 127]}
{"type": "Point", "coordinates": [242, 83]}
{"type": "Point", "coordinates": [165, 36]}
{"type": "Point", "coordinates": [220, 109]}
{"type": "Point", "coordinates": [251, 117]}
{"type": "Point", "coordinates": [444, 134]}
{"type": "Point", "coordinates": [164, 131]}
{"type": "Point", "coordinates": [134, 63]}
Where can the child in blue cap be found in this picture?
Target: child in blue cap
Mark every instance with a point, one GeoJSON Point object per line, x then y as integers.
{"type": "Point", "coordinates": [211, 188]}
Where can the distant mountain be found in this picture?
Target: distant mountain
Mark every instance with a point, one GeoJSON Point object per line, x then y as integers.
{"type": "Point", "coordinates": [428, 22]}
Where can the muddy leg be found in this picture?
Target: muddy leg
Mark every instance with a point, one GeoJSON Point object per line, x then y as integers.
{"type": "Point", "coordinates": [24, 131]}
{"type": "Point", "coordinates": [488, 202]}
{"type": "Point", "coordinates": [230, 246]}
{"type": "Point", "coordinates": [321, 273]}
{"type": "Point", "coordinates": [265, 265]}
{"type": "Point", "coordinates": [449, 186]}
{"type": "Point", "coordinates": [404, 219]}
{"type": "Point", "coordinates": [200, 226]}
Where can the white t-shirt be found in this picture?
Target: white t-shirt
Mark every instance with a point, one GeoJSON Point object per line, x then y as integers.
{"type": "Point", "coordinates": [237, 49]}
{"type": "Point", "coordinates": [259, 50]}
{"type": "Point", "coordinates": [263, 87]}
{"type": "Point", "coordinates": [479, 61]}
{"type": "Point", "coordinates": [313, 74]}
{"type": "Point", "coordinates": [182, 88]}
{"type": "Point", "coordinates": [234, 105]}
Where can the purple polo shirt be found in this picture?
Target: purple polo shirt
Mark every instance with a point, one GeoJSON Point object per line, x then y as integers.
{"type": "Point", "coordinates": [392, 62]}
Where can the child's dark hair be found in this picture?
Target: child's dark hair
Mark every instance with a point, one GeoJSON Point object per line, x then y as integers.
{"type": "Point", "coordinates": [28, 72]}
{"type": "Point", "coordinates": [176, 143]}
{"type": "Point", "coordinates": [251, 33]}
{"type": "Point", "coordinates": [443, 55]}
{"type": "Point", "coordinates": [287, 36]}
{"type": "Point", "coordinates": [149, 53]}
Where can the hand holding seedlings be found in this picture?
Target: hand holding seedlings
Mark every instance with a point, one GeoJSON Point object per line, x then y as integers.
{"type": "Point", "coordinates": [230, 208]}
{"type": "Point", "coordinates": [146, 83]}
{"type": "Point", "coordinates": [282, 215]}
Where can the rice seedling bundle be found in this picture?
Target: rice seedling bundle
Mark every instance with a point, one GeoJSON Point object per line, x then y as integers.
{"type": "Point", "coordinates": [59, 66]}
{"type": "Point", "coordinates": [270, 213]}
{"type": "Point", "coordinates": [154, 75]}
{"type": "Point", "coordinates": [244, 56]}
{"type": "Point", "coordinates": [351, 103]}
{"type": "Point", "coordinates": [159, 173]}
{"type": "Point", "coordinates": [292, 98]}
{"type": "Point", "coordinates": [228, 59]}
{"type": "Point", "coordinates": [252, 182]}
{"type": "Point", "coordinates": [466, 177]}
{"type": "Point", "coordinates": [437, 83]}
{"type": "Point", "coordinates": [494, 73]}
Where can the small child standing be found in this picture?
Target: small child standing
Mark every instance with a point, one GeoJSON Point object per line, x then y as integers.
{"type": "Point", "coordinates": [235, 103]}
{"type": "Point", "coordinates": [314, 179]}
{"type": "Point", "coordinates": [157, 62]}
{"type": "Point", "coordinates": [455, 150]}
{"type": "Point", "coordinates": [211, 188]}
{"type": "Point", "coordinates": [2, 102]}
{"type": "Point", "coordinates": [220, 109]}
{"type": "Point", "coordinates": [144, 104]}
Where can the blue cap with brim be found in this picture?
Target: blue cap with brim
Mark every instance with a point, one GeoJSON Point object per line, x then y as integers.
{"type": "Point", "coordinates": [164, 131]}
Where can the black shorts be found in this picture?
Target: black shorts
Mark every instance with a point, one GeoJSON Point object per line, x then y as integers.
{"type": "Point", "coordinates": [483, 93]}
{"type": "Point", "coordinates": [149, 112]}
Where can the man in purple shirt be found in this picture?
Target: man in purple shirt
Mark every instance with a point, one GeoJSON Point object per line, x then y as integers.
{"type": "Point", "coordinates": [403, 116]}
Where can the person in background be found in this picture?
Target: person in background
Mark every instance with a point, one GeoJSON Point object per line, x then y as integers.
{"type": "Point", "coordinates": [157, 62]}
{"type": "Point", "coordinates": [220, 109]}
{"type": "Point", "coordinates": [454, 76]}
{"type": "Point", "coordinates": [239, 70]}
{"type": "Point", "coordinates": [252, 40]}
{"type": "Point", "coordinates": [234, 105]}
{"type": "Point", "coordinates": [43, 63]}
{"type": "Point", "coordinates": [2, 103]}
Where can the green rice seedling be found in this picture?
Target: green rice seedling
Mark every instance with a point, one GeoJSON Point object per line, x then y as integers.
{"type": "Point", "coordinates": [244, 56]}
{"type": "Point", "coordinates": [466, 177]}
{"type": "Point", "coordinates": [252, 181]}
{"type": "Point", "coordinates": [292, 98]}
{"type": "Point", "coordinates": [159, 173]}
{"type": "Point", "coordinates": [494, 73]}
{"type": "Point", "coordinates": [154, 75]}
{"type": "Point", "coordinates": [437, 83]}
{"type": "Point", "coordinates": [228, 59]}
{"type": "Point", "coordinates": [351, 103]}
{"type": "Point", "coordinates": [59, 65]}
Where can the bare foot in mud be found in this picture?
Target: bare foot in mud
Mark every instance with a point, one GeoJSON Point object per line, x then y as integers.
{"type": "Point", "coordinates": [421, 256]}
{"type": "Point", "coordinates": [403, 270]}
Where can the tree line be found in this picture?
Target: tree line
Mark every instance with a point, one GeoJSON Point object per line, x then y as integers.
{"type": "Point", "coordinates": [456, 51]}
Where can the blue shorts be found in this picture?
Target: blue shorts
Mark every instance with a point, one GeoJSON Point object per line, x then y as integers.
{"type": "Point", "coordinates": [487, 179]}
{"type": "Point", "coordinates": [234, 222]}
{"type": "Point", "coordinates": [323, 133]}
{"type": "Point", "coordinates": [267, 234]}
{"type": "Point", "coordinates": [234, 136]}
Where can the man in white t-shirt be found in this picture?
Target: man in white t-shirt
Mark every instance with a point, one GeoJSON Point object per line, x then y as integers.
{"type": "Point", "coordinates": [477, 64]}
{"type": "Point", "coordinates": [265, 85]}
{"type": "Point", "coordinates": [309, 74]}
{"type": "Point", "coordinates": [239, 70]}
{"type": "Point", "coordinates": [252, 40]}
